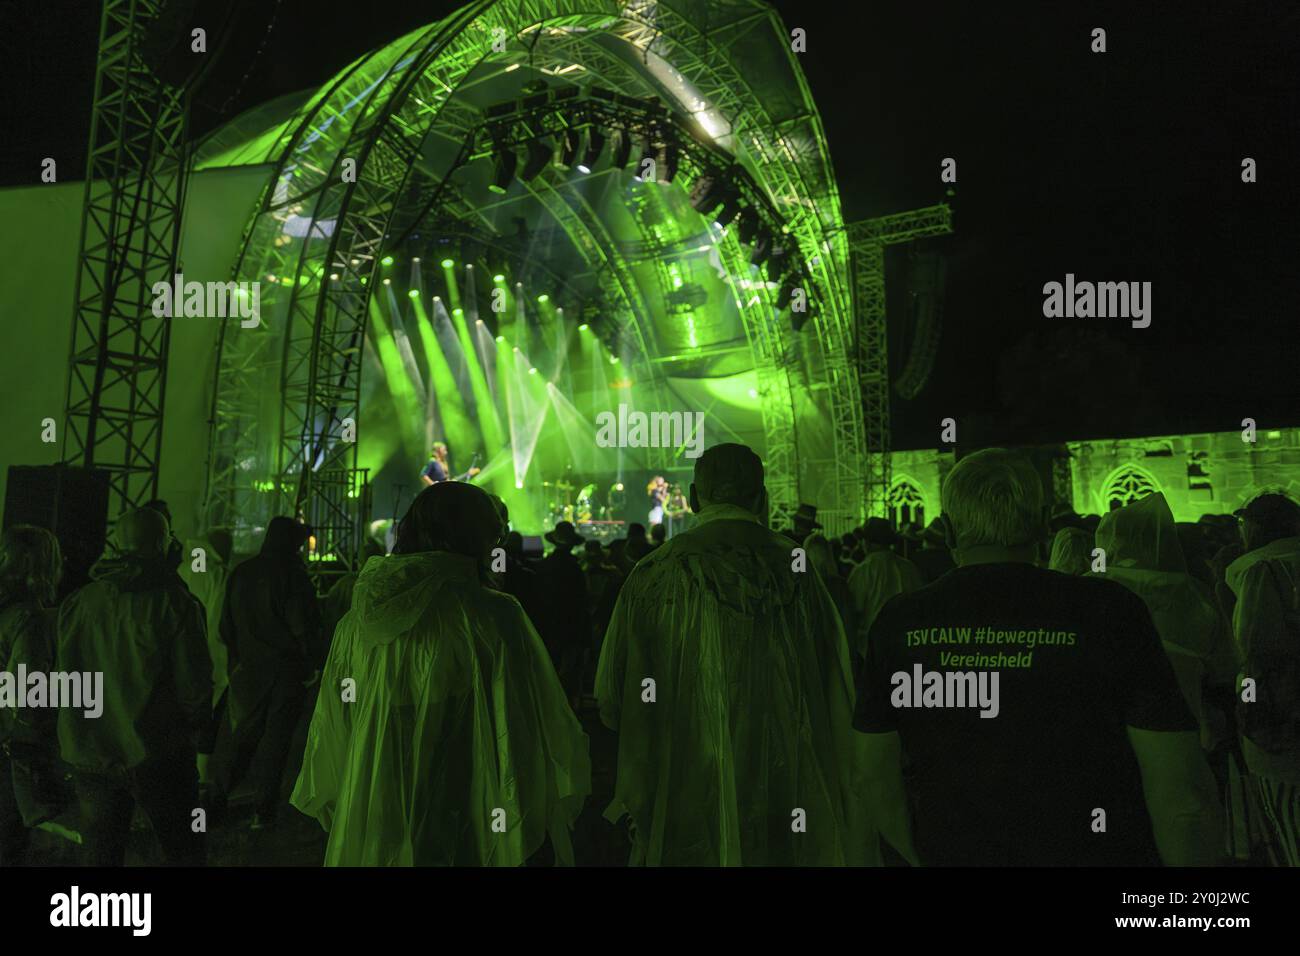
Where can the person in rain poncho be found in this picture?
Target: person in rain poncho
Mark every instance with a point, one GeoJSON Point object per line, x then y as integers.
{"type": "Point", "coordinates": [207, 582]}
{"type": "Point", "coordinates": [1265, 580]}
{"type": "Point", "coordinates": [271, 627]}
{"type": "Point", "coordinates": [1140, 542]}
{"type": "Point", "coordinates": [725, 672]}
{"type": "Point", "coordinates": [441, 734]}
{"type": "Point", "coordinates": [136, 624]}
{"type": "Point", "coordinates": [880, 576]}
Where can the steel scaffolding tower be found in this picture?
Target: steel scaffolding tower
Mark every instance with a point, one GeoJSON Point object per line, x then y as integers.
{"type": "Point", "coordinates": [867, 241]}
{"type": "Point", "coordinates": [130, 235]}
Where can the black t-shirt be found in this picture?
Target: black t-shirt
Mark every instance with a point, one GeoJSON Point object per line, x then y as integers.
{"type": "Point", "coordinates": [1076, 661]}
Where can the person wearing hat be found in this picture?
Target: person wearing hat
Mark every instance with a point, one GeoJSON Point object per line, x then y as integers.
{"type": "Point", "coordinates": [1266, 625]}
{"type": "Point", "coordinates": [805, 523]}
{"type": "Point", "coordinates": [725, 673]}
{"type": "Point", "coordinates": [881, 575]}
{"type": "Point", "coordinates": [568, 631]}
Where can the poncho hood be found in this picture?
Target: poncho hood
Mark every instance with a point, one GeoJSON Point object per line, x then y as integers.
{"type": "Point", "coordinates": [1284, 549]}
{"type": "Point", "coordinates": [394, 592]}
{"type": "Point", "coordinates": [133, 573]}
{"type": "Point", "coordinates": [1142, 536]}
{"type": "Point", "coordinates": [731, 557]}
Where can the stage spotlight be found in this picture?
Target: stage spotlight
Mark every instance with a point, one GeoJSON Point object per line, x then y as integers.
{"type": "Point", "coordinates": [447, 263]}
{"type": "Point", "coordinates": [503, 168]}
{"type": "Point", "coordinates": [416, 259]}
{"type": "Point", "coordinates": [498, 278]}
{"type": "Point", "coordinates": [730, 210]}
{"type": "Point", "coordinates": [334, 277]}
{"type": "Point", "coordinates": [622, 149]}
{"type": "Point", "coordinates": [543, 298]}
{"type": "Point", "coordinates": [414, 293]}
{"type": "Point", "coordinates": [388, 282]}
{"type": "Point", "coordinates": [568, 149]}
{"type": "Point", "coordinates": [671, 159]}
{"type": "Point", "coordinates": [591, 155]}
{"type": "Point", "coordinates": [762, 246]}
{"type": "Point", "coordinates": [539, 154]}
{"type": "Point", "coordinates": [792, 282]}
{"type": "Point", "coordinates": [387, 260]}
{"type": "Point", "coordinates": [532, 371]}
{"type": "Point", "coordinates": [778, 263]}
{"type": "Point", "coordinates": [584, 327]}
{"type": "Point", "coordinates": [706, 194]}
{"type": "Point", "coordinates": [501, 338]}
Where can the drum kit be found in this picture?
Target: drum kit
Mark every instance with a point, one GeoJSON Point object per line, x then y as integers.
{"type": "Point", "coordinates": [562, 505]}
{"type": "Point", "coordinates": [588, 505]}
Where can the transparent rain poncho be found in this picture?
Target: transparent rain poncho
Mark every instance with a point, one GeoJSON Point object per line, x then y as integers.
{"type": "Point", "coordinates": [750, 730]}
{"type": "Point", "coordinates": [1142, 551]}
{"type": "Point", "coordinates": [459, 728]}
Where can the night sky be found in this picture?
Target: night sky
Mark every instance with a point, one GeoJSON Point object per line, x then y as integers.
{"type": "Point", "coordinates": [1122, 166]}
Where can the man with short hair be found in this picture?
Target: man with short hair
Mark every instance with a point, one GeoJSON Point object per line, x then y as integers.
{"type": "Point", "coordinates": [1040, 718]}
{"type": "Point", "coordinates": [137, 624]}
{"type": "Point", "coordinates": [725, 672]}
{"type": "Point", "coordinates": [1266, 623]}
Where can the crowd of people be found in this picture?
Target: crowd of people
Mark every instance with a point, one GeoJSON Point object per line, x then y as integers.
{"type": "Point", "coordinates": [1008, 685]}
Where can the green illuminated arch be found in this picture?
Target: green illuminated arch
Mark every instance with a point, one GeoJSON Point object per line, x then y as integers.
{"type": "Point", "coordinates": [285, 388]}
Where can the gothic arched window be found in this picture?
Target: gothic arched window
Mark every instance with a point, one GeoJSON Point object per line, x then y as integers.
{"type": "Point", "coordinates": [906, 504]}
{"type": "Point", "coordinates": [1126, 485]}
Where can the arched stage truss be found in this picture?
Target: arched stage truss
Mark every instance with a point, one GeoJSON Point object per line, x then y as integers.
{"type": "Point", "coordinates": [413, 114]}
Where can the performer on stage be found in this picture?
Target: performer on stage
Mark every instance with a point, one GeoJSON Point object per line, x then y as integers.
{"type": "Point", "coordinates": [439, 470]}
{"type": "Point", "coordinates": [658, 492]}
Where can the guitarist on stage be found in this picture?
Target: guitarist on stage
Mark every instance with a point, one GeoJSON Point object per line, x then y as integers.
{"type": "Point", "coordinates": [439, 470]}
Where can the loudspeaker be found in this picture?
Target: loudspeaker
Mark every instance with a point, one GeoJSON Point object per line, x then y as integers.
{"type": "Point", "coordinates": [71, 502]}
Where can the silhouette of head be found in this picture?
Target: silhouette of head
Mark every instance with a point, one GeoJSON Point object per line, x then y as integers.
{"type": "Point", "coordinates": [450, 516]}
{"type": "Point", "coordinates": [1268, 518]}
{"type": "Point", "coordinates": [143, 533]}
{"type": "Point", "coordinates": [223, 543]}
{"type": "Point", "coordinates": [993, 498]}
{"type": "Point", "coordinates": [161, 507]}
{"type": "Point", "coordinates": [729, 474]}
{"type": "Point", "coordinates": [658, 533]}
{"type": "Point", "coordinates": [30, 563]}
{"type": "Point", "coordinates": [284, 536]}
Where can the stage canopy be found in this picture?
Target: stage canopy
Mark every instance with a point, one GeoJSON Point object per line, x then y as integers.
{"type": "Point", "coordinates": [502, 225]}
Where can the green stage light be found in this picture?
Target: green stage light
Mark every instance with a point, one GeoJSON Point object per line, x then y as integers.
{"type": "Point", "coordinates": [414, 293]}
{"type": "Point", "coordinates": [334, 276]}
{"type": "Point", "coordinates": [498, 278]}
{"type": "Point", "coordinates": [583, 327]}
{"type": "Point", "coordinates": [501, 338]}
{"type": "Point", "coordinates": [543, 298]}
{"type": "Point", "coordinates": [532, 371]}
{"type": "Point", "coordinates": [457, 311]}
{"type": "Point", "coordinates": [387, 260]}
{"type": "Point", "coordinates": [388, 282]}
{"type": "Point", "coordinates": [447, 263]}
